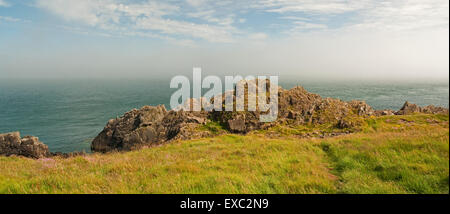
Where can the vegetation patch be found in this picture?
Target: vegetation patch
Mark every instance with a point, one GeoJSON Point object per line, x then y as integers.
{"type": "Point", "coordinates": [394, 157]}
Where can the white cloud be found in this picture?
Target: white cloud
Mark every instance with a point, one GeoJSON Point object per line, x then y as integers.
{"type": "Point", "coordinates": [295, 18]}
{"type": "Point", "coordinates": [373, 15]}
{"type": "Point", "coordinates": [119, 17]}
{"type": "Point", "coordinates": [382, 39]}
{"type": "Point", "coordinates": [312, 6]}
{"type": "Point", "coordinates": [215, 21]}
{"type": "Point", "coordinates": [306, 25]}
{"type": "Point", "coordinates": [405, 15]}
{"type": "Point", "coordinates": [258, 36]}
{"type": "Point", "coordinates": [3, 3]}
{"type": "Point", "coordinates": [172, 27]}
{"type": "Point", "coordinates": [211, 17]}
{"type": "Point", "coordinates": [9, 19]}
{"type": "Point", "coordinates": [196, 3]}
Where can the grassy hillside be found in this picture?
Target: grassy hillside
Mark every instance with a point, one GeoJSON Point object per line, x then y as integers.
{"type": "Point", "coordinates": [390, 154]}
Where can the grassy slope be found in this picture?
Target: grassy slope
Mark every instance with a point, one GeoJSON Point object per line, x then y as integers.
{"type": "Point", "coordinates": [392, 154]}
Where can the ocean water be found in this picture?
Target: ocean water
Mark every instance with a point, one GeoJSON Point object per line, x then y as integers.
{"type": "Point", "coordinates": [68, 114]}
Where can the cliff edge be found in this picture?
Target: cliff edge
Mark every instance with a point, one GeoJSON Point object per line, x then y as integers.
{"type": "Point", "coordinates": [154, 125]}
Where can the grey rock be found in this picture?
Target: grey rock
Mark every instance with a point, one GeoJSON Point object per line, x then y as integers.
{"type": "Point", "coordinates": [131, 131]}
{"type": "Point", "coordinates": [409, 108]}
{"type": "Point", "coordinates": [29, 146]}
{"type": "Point", "coordinates": [237, 125]}
{"type": "Point", "coordinates": [150, 125]}
{"type": "Point", "coordinates": [385, 112]}
{"type": "Point", "coordinates": [155, 125]}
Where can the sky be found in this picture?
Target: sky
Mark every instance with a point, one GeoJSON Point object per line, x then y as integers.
{"type": "Point", "coordinates": [309, 39]}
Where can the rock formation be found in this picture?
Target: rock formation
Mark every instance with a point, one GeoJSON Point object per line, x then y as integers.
{"type": "Point", "coordinates": [155, 125]}
{"type": "Point", "coordinates": [29, 146]}
{"type": "Point", "coordinates": [147, 126]}
{"type": "Point", "coordinates": [409, 108]}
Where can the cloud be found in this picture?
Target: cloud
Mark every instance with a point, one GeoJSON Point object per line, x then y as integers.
{"type": "Point", "coordinates": [172, 27]}
{"type": "Point", "coordinates": [321, 38]}
{"type": "Point", "coordinates": [9, 19]}
{"type": "Point", "coordinates": [405, 15]}
{"type": "Point", "coordinates": [196, 3]}
{"type": "Point", "coordinates": [258, 36]}
{"type": "Point", "coordinates": [312, 6]}
{"type": "Point", "coordinates": [300, 25]}
{"type": "Point", "coordinates": [226, 21]}
{"type": "Point", "coordinates": [364, 15]}
{"type": "Point", "coordinates": [3, 3]}
{"type": "Point", "coordinates": [144, 17]}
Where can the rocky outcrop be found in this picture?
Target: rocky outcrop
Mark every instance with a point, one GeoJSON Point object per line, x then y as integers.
{"type": "Point", "coordinates": [133, 129]}
{"type": "Point", "coordinates": [385, 112]}
{"type": "Point", "coordinates": [150, 125]}
{"type": "Point", "coordinates": [155, 125]}
{"type": "Point", "coordinates": [29, 146]}
{"type": "Point", "coordinates": [304, 107]}
{"type": "Point", "coordinates": [409, 108]}
{"type": "Point", "coordinates": [237, 124]}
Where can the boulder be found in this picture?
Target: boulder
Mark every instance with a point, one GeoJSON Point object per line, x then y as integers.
{"type": "Point", "coordinates": [237, 124]}
{"type": "Point", "coordinates": [361, 108]}
{"type": "Point", "coordinates": [134, 129]}
{"type": "Point", "coordinates": [298, 104]}
{"type": "Point", "coordinates": [351, 123]}
{"type": "Point", "coordinates": [409, 108]}
{"type": "Point", "coordinates": [29, 146]}
{"type": "Point", "coordinates": [150, 125]}
{"type": "Point", "coordinates": [434, 110]}
{"type": "Point", "coordinates": [385, 112]}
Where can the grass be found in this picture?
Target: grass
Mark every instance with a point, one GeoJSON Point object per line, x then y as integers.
{"type": "Point", "coordinates": [213, 127]}
{"type": "Point", "coordinates": [392, 154]}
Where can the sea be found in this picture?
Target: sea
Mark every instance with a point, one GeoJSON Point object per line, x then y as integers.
{"type": "Point", "coordinates": [67, 114]}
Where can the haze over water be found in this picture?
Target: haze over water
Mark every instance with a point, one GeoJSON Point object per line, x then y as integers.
{"type": "Point", "coordinates": [81, 43]}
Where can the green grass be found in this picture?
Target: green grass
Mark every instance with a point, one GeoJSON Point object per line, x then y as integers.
{"type": "Point", "coordinates": [392, 154]}
{"type": "Point", "coordinates": [213, 127]}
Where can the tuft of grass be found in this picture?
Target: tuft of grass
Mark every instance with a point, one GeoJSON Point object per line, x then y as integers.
{"type": "Point", "coordinates": [403, 154]}
{"type": "Point", "coordinates": [213, 127]}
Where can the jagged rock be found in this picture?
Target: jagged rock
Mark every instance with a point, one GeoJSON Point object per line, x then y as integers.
{"type": "Point", "coordinates": [331, 111]}
{"type": "Point", "coordinates": [134, 129]}
{"type": "Point", "coordinates": [409, 108]}
{"type": "Point", "coordinates": [28, 146]}
{"type": "Point", "coordinates": [353, 123]}
{"type": "Point", "coordinates": [147, 126]}
{"type": "Point", "coordinates": [302, 107]}
{"type": "Point", "coordinates": [298, 102]}
{"type": "Point", "coordinates": [361, 108]}
{"type": "Point", "coordinates": [430, 109]}
{"type": "Point", "coordinates": [384, 112]}
{"type": "Point", "coordinates": [242, 121]}
{"type": "Point", "coordinates": [237, 124]}
{"type": "Point", "coordinates": [178, 124]}
{"type": "Point", "coordinates": [154, 125]}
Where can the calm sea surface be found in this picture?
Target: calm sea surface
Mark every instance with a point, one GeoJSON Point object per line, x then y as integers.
{"type": "Point", "coordinates": [68, 114]}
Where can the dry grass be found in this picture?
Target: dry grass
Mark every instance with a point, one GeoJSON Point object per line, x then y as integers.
{"type": "Point", "coordinates": [396, 154]}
